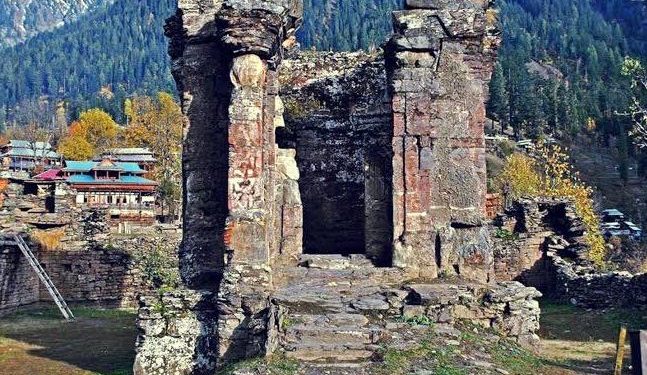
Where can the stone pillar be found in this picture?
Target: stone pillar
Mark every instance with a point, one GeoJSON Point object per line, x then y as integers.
{"type": "Point", "coordinates": [254, 33]}
{"type": "Point", "coordinates": [225, 55]}
{"type": "Point", "coordinates": [440, 60]}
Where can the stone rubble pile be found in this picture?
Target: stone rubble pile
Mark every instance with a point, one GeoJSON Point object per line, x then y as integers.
{"type": "Point", "coordinates": [548, 250]}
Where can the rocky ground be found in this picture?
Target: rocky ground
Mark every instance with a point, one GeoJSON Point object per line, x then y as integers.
{"type": "Point", "coordinates": [574, 341]}
{"type": "Point", "coordinates": [422, 348]}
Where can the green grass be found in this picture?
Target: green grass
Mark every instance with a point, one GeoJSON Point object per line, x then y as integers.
{"type": "Point", "coordinates": [40, 341]}
{"type": "Point", "coordinates": [515, 359]}
{"type": "Point", "coordinates": [419, 320]}
{"type": "Point", "coordinates": [567, 322]}
{"type": "Point", "coordinates": [275, 365]}
{"type": "Point", "coordinates": [53, 313]}
{"type": "Point", "coordinates": [440, 360]}
{"type": "Point", "coordinates": [505, 354]}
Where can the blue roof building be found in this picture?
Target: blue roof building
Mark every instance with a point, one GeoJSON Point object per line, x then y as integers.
{"type": "Point", "coordinates": [111, 183]}
{"type": "Point", "coordinates": [26, 155]}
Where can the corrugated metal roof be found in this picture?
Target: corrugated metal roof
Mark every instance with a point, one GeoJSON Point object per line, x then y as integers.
{"type": "Point", "coordinates": [131, 180]}
{"type": "Point", "coordinates": [28, 152]}
{"type": "Point", "coordinates": [87, 166]}
{"type": "Point", "coordinates": [52, 174]}
{"type": "Point", "coordinates": [130, 151]}
{"type": "Point", "coordinates": [18, 143]}
{"type": "Point", "coordinates": [80, 166]}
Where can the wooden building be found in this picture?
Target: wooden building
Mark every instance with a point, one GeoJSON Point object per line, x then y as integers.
{"type": "Point", "coordinates": [111, 184]}
{"type": "Point", "coordinates": [20, 155]}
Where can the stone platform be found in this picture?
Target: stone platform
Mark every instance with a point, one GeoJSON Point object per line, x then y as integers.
{"type": "Point", "coordinates": [336, 309]}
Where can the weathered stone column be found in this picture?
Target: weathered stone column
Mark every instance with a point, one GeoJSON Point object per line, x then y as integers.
{"type": "Point", "coordinates": [254, 33]}
{"type": "Point", "coordinates": [440, 60]}
{"type": "Point", "coordinates": [225, 54]}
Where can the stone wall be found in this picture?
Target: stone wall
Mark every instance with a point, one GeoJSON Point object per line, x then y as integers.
{"type": "Point", "coordinates": [546, 249]}
{"type": "Point", "coordinates": [507, 307]}
{"type": "Point", "coordinates": [105, 277]}
{"type": "Point", "coordinates": [176, 334]}
{"type": "Point", "coordinates": [440, 60]}
{"type": "Point", "coordinates": [109, 276]}
{"type": "Point", "coordinates": [19, 284]}
{"type": "Point", "coordinates": [583, 286]}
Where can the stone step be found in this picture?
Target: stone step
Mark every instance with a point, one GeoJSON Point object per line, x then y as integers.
{"type": "Point", "coordinates": [330, 354]}
{"type": "Point", "coordinates": [356, 337]}
{"type": "Point", "coordinates": [341, 320]}
{"type": "Point", "coordinates": [309, 301]}
{"type": "Point", "coordinates": [335, 262]}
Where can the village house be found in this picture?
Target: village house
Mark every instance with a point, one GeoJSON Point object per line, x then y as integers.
{"type": "Point", "coordinates": [110, 184]}
{"type": "Point", "coordinates": [20, 155]}
{"type": "Point", "coordinates": [142, 156]}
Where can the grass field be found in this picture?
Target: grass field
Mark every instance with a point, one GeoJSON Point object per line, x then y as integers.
{"type": "Point", "coordinates": [38, 342]}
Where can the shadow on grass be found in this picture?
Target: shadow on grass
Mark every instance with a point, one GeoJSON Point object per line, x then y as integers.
{"type": "Point", "coordinates": [566, 322]}
{"type": "Point", "coordinates": [99, 341]}
{"type": "Point", "coordinates": [584, 340]}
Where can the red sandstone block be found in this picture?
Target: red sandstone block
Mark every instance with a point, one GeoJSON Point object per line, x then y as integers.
{"type": "Point", "coordinates": [417, 222]}
{"type": "Point", "coordinates": [411, 166]}
{"type": "Point", "coordinates": [398, 124]}
{"type": "Point", "coordinates": [477, 120]}
{"type": "Point", "coordinates": [245, 134]}
{"type": "Point", "coordinates": [398, 165]}
{"type": "Point", "coordinates": [424, 187]}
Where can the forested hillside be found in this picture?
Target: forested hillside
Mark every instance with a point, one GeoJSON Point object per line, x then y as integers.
{"type": "Point", "coordinates": [559, 70]}
{"type": "Point", "coordinates": [120, 48]}
{"type": "Point", "coordinates": [22, 19]}
{"type": "Point", "coordinates": [344, 25]}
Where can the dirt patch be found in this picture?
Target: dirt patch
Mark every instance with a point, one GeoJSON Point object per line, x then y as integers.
{"type": "Point", "coordinates": [584, 340]}
{"type": "Point", "coordinates": [40, 342]}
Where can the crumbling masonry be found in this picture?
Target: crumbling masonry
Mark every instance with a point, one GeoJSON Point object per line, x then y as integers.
{"type": "Point", "coordinates": [402, 157]}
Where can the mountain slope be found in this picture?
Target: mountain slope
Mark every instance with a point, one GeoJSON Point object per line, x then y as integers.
{"type": "Point", "coordinates": [121, 47]}
{"type": "Point", "coordinates": [22, 19]}
{"type": "Point", "coordinates": [118, 48]}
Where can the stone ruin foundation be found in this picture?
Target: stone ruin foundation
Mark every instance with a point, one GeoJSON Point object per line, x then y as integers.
{"type": "Point", "coordinates": [344, 199]}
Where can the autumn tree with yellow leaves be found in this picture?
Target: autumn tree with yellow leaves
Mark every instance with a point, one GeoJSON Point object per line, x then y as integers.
{"type": "Point", "coordinates": [156, 123]}
{"type": "Point", "coordinates": [548, 173]}
{"type": "Point", "coordinates": [94, 132]}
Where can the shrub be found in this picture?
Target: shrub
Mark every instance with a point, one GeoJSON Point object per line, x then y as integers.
{"type": "Point", "coordinates": [159, 266]}
{"type": "Point", "coordinates": [550, 174]}
{"type": "Point", "coordinates": [505, 234]}
{"type": "Point", "coordinates": [559, 180]}
{"type": "Point", "coordinates": [520, 174]}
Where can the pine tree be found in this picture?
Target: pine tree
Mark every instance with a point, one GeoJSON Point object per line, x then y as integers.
{"type": "Point", "coordinates": [498, 105]}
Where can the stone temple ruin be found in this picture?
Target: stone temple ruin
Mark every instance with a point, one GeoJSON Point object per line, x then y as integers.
{"type": "Point", "coordinates": [333, 191]}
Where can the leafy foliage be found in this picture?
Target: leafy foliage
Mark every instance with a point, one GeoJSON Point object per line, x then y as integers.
{"type": "Point", "coordinates": [156, 123]}
{"type": "Point", "coordinates": [559, 180]}
{"type": "Point", "coordinates": [633, 69]}
{"type": "Point", "coordinates": [116, 51]}
{"type": "Point", "coordinates": [550, 174]}
{"type": "Point", "coordinates": [159, 266]}
{"type": "Point", "coordinates": [93, 133]}
{"type": "Point", "coordinates": [519, 176]}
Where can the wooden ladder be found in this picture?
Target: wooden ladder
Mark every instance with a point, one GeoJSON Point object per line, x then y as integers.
{"type": "Point", "coordinates": [44, 277]}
